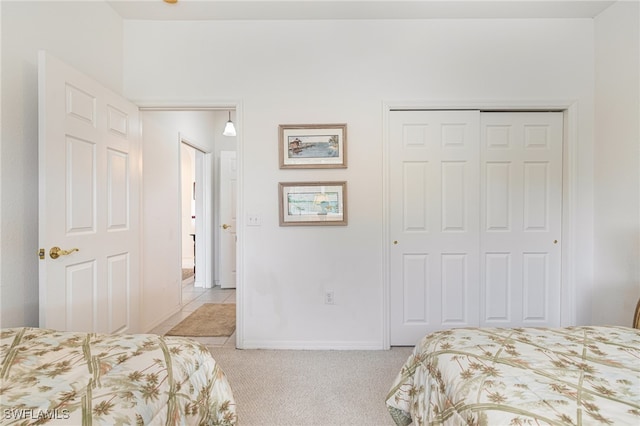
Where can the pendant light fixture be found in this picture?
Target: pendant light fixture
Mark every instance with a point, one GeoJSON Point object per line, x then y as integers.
{"type": "Point", "coordinates": [229, 129]}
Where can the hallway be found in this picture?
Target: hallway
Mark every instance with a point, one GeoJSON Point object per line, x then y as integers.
{"type": "Point", "coordinates": [192, 299]}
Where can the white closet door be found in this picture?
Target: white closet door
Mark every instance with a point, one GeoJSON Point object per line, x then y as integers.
{"type": "Point", "coordinates": [521, 207]}
{"type": "Point", "coordinates": [474, 220]}
{"type": "Point", "coordinates": [434, 222]}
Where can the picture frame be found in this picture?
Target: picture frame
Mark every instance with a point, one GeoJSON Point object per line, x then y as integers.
{"type": "Point", "coordinates": [312, 146]}
{"type": "Point", "coordinates": [313, 203]}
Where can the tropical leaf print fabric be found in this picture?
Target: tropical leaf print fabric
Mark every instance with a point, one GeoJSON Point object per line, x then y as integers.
{"type": "Point", "coordinates": [52, 377]}
{"type": "Point", "coordinates": [521, 376]}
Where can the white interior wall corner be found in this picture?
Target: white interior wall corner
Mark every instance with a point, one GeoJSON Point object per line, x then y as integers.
{"type": "Point", "coordinates": [617, 150]}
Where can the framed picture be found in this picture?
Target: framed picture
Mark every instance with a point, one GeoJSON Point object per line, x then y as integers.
{"type": "Point", "coordinates": [313, 146]}
{"type": "Point", "coordinates": [312, 203]}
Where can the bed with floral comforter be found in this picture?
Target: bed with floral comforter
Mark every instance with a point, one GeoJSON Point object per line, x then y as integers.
{"type": "Point", "coordinates": [521, 376]}
{"type": "Point", "coordinates": [52, 377]}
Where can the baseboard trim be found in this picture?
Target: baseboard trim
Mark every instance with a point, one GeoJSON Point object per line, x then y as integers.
{"type": "Point", "coordinates": [313, 345]}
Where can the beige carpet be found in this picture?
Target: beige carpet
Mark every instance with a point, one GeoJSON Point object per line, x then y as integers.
{"type": "Point", "coordinates": [311, 388]}
{"type": "Point", "coordinates": [209, 320]}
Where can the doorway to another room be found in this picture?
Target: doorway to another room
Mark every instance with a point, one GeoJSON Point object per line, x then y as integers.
{"type": "Point", "coordinates": [196, 189]}
{"type": "Point", "coordinates": [183, 210]}
{"type": "Point", "coordinates": [188, 212]}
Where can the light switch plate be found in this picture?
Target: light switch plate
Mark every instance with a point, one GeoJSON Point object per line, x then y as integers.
{"type": "Point", "coordinates": [253, 220]}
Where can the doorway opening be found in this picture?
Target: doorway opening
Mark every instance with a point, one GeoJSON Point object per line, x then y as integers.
{"type": "Point", "coordinates": [192, 236]}
{"type": "Point", "coordinates": [182, 202]}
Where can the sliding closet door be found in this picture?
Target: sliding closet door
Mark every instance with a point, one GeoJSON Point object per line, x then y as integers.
{"type": "Point", "coordinates": [434, 222]}
{"type": "Point", "coordinates": [521, 207]}
{"type": "Point", "coordinates": [474, 220]}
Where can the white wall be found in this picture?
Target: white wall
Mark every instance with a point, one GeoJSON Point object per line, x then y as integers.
{"type": "Point", "coordinates": [1, 286]}
{"type": "Point", "coordinates": [342, 71]}
{"type": "Point", "coordinates": [87, 36]}
{"type": "Point", "coordinates": [617, 169]}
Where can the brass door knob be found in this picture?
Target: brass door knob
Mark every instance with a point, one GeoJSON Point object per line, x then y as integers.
{"type": "Point", "coordinates": [225, 226]}
{"type": "Point", "coordinates": [56, 252]}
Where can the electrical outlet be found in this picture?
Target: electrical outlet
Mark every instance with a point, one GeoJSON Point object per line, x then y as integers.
{"type": "Point", "coordinates": [328, 298]}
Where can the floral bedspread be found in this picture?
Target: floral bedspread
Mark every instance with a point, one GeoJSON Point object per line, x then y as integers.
{"type": "Point", "coordinates": [521, 376]}
{"type": "Point", "coordinates": [51, 377]}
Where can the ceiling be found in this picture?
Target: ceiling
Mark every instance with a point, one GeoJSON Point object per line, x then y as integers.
{"type": "Point", "coordinates": [355, 9]}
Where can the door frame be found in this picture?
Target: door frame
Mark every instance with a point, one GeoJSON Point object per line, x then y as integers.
{"type": "Point", "coordinates": [218, 105]}
{"type": "Point", "coordinates": [204, 215]}
{"type": "Point", "coordinates": [569, 189]}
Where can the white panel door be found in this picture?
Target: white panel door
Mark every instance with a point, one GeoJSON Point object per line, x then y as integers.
{"type": "Point", "coordinates": [474, 220]}
{"type": "Point", "coordinates": [434, 222]}
{"type": "Point", "coordinates": [88, 203]}
{"type": "Point", "coordinates": [228, 202]}
{"type": "Point", "coordinates": [521, 211]}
